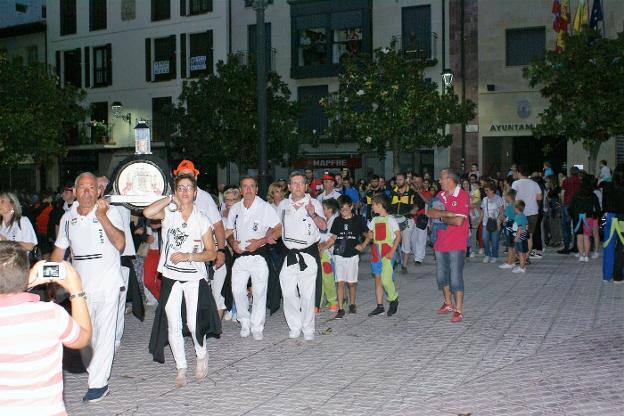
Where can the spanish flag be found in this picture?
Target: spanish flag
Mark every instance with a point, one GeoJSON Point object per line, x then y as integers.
{"type": "Point", "coordinates": [561, 12]}
{"type": "Point", "coordinates": [582, 16]}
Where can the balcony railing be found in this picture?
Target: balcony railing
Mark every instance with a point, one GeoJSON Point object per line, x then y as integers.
{"type": "Point", "coordinates": [420, 46]}
{"type": "Point", "coordinates": [248, 58]}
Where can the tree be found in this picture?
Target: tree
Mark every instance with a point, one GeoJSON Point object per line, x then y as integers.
{"type": "Point", "coordinates": [216, 117]}
{"type": "Point", "coordinates": [584, 86]}
{"type": "Point", "coordinates": [34, 113]}
{"type": "Point", "coordinates": [385, 103]}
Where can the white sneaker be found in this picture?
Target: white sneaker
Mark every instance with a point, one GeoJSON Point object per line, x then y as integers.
{"type": "Point", "coordinates": [245, 332]}
{"type": "Point", "coordinates": [586, 259]}
{"type": "Point", "coordinates": [481, 251]}
{"type": "Point", "coordinates": [227, 316]}
{"type": "Point", "coordinates": [294, 334]}
{"type": "Point", "coordinates": [486, 259]}
{"type": "Point", "coordinates": [595, 255]}
{"type": "Point", "coordinates": [472, 254]}
{"type": "Point", "coordinates": [576, 254]}
{"type": "Point", "coordinates": [308, 337]}
{"type": "Point", "coordinates": [517, 269]}
{"type": "Point", "coordinates": [506, 266]}
{"type": "Point", "coordinates": [492, 259]}
{"type": "Point", "coordinates": [258, 336]}
{"type": "Point", "coordinates": [581, 258]}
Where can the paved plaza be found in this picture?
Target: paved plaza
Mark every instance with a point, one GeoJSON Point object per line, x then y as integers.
{"type": "Point", "coordinates": [545, 343]}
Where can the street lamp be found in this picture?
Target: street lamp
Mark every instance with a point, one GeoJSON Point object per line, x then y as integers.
{"type": "Point", "coordinates": [447, 77]}
{"type": "Point", "coordinates": [142, 138]}
{"type": "Point", "coordinates": [117, 108]}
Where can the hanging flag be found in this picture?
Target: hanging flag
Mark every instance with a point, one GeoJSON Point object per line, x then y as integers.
{"type": "Point", "coordinates": [596, 14]}
{"type": "Point", "coordinates": [561, 12]}
{"type": "Point", "coordinates": [582, 16]}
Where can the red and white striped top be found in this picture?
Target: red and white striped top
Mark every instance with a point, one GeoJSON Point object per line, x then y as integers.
{"type": "Point", "coordinates": [32, 335]}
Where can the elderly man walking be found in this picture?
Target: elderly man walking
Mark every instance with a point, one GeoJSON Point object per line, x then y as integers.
{"type": "Point", "coordinates": [450, 245]}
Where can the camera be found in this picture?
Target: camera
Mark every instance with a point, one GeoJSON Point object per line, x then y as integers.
{"type": "Point", "coordinates": [51, 270]}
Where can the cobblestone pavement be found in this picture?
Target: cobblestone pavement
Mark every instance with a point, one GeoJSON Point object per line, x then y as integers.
{"type": "Point", "coordinates": [545, 343]}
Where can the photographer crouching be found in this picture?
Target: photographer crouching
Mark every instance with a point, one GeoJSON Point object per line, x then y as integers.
{"type": "Point", "coordinates": [32, 333]}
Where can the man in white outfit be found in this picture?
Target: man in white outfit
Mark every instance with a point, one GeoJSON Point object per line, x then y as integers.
{"type": "Point", "coordinates": [94, 234]}
{"type": "Point", "coordinates": [302, 220]}
{"type": "Point", "coordinates": [207, 206]}
{"type": "Point", "coordinates": [254, 224]}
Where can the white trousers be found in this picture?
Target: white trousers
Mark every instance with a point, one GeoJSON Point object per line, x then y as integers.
{"type": "Point", "coordinates": [406, 237]}
{"type": "Point", "coordinates": [419, 243]}
{"type": "Point", "coordinates": [98, 356]}
{"type": "Point", "coordinates": [173, 309]}
{"type": "Point", "coordinates": [255, 267]}
{"type": "Point", "coordinates": [217, 285]}
{"type": "Point", "coordinates": [299, 304]}
{"type": "Point", "coordinates": [121, 307]}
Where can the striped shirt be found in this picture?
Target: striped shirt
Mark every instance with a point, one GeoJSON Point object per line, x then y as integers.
{"type": "Point", "coordinates": [32, 335]}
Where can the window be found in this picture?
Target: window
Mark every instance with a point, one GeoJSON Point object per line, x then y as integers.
{"type": "Point", "coordinates": [322, 40]}
{"type": "Point", "coordinates": [102, 70]}
{"type": "Point", "coordinates": [200, 57]}
{"type": "Point", "coordinates": [313, 115]}
{"type": "Point", "coordinates": [97, 15]}
{"type": "Point", "coordinates": [524, 45]}
{"type": "Point", "coordinates": [161, 10]}
{"type": "Point", "coordinates": [252, 45]}
{"type": "Point", "coordinates": [32, 54]}
{"type": "Point", "coordinates": [99, 114]}
{"type": "Point", "coordinates": [68, 17]}
{"type": "Point", "coordinates": [199, 6]}
{"type": "Point", "coordinates": [249, 3]}
{"type": "Point", "coordinates": [72, 73]}
{"type": "Point", "coordinates": [161, 125]}
{"type": "Point", "coordinates": [164, 66]}
{"type": "Point", "coordinates": [128, 10]}
{"type": "Point", "coordinates": [416, 35]}
{"type": "Point", "coordinates": [21, 8]}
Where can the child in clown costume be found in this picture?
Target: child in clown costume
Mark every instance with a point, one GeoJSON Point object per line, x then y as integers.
{"type": "Point", "coordinates": [386, 236]}
{"type": "Point", "coordinates": [328, 287]}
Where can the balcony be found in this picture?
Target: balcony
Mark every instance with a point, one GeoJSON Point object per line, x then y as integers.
{"type": "Point", "coordinates": [421, 46]}
{"type": "Point", "coordinates": [248, 58]}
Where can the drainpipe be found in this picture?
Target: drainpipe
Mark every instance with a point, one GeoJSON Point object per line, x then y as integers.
{"type": "Point", "coordinates": [463, 86]}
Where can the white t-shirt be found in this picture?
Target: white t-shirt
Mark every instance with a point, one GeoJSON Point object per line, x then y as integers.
{"type": "Point", "coordinates": [251, 223]}
{"type": "Point", "coordinates": [491, 207]}
{"type": "Point", "coordinates": [155, 244]}
{"type": "Point", "coordinates": [326, 234]}
{"type": "Point", "coordinates": [125, 214]}
{"type": "Point", "coordinates": [298, 228]}
{"type": "Point", "coordinates": [333, 194]}
{"type": "Point", "coordinates": [21, 231]}
{"type": "Point", "coordinates": [605, 172]}
{"type": "Point", "coordinates": [527, 191]}
{"type": "Point", "coordinates": [186, 237]}
{"type": "Point", "coordinates": [207, 206]}
{"type": "Point", "coordinates": [93, 255]}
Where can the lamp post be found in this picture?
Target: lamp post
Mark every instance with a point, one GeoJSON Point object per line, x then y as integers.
{"type": "Point", "coordinates": [259, 6]}
{"type": "Point", "coordinates": [447, 78]}
{"type": "Point", "coordinates": [117, 108]}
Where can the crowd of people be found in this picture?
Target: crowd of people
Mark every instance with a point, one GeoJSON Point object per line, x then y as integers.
{"type": "Point", "coordinates": [201, 258]}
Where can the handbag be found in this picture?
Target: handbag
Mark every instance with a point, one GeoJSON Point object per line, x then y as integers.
{"type": "Point", "coordinates": [422, 221]}
{"type": "Point", "coordinates": [143, 249]}
{"type": "Point", "coordinates": [491, 225]}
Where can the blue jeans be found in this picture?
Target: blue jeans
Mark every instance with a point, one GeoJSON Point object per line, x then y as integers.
{"type": "Point", "coordinates": [490, 242]}
{"type": "Point", "coordinates": [566, 226]}
{"type": "Point", "coordinates": [450, 269]}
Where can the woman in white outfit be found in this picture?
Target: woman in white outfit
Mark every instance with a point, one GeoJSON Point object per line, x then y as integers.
{"type": "Point", "coordinates": [14, 227]}
{"type": "Point", "coordinates": [187, 243]}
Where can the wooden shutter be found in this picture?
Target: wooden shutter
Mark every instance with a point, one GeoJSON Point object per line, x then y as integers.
{"type": "Point", "coordinates": [109, 64]}
{"type": "Point", "coordinates": [183, 55]}
{"type": "Point", "coordinates": [148, 59]}
{"type": "Point", "coordinates": [57, 59]}
{"type": "Point", "coordinates": [209, 52]}
{"type": "Point", "coordinates": [172, 59]}
{"type": "Point", "coordinates": [87, 67]}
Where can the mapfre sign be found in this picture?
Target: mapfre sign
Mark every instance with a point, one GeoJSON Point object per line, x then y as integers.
{"type": "Point", "coordinates": [329, 163]}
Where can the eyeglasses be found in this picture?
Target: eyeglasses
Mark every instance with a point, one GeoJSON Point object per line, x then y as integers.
{"type": "Point", "coordinates": [187, 188]}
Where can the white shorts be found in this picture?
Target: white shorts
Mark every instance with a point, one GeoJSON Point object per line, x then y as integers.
{"type": "Point", "coordinates": [346, 269]}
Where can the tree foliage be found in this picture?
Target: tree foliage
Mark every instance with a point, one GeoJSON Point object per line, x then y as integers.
{"type": "Point", "coordinates": [217, 115]}
{"type": "Point", "coordinates": [34, 113]}
{"type": "Point", "coordinates": [584, 86]}
{"type": "Point", "coordinates": [385, 103]}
